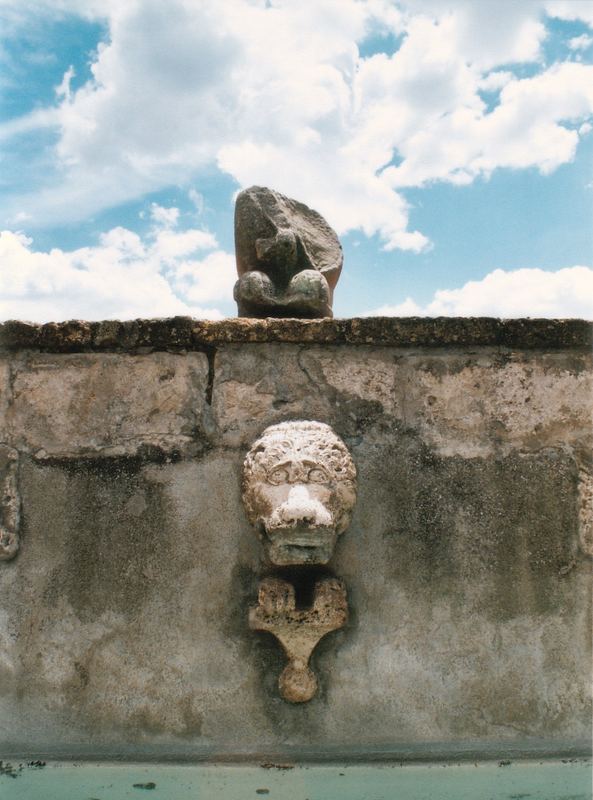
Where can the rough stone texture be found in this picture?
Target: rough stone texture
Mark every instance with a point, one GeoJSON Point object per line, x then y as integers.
{"type": "Point", "coordinates": [586, 510]}
{"type": "Point", "coordinates": [123, 618]}
{"type": "Point", "coordinates": [85, 405]}
{"type": "Point", "coordinates": [288, 258]}
{"type": "Point", "coordinates": [10, 507]}
{"type": "Point", "coordinates": [184, 333]}
{"type": "Point", "coordinates": [299, 630]}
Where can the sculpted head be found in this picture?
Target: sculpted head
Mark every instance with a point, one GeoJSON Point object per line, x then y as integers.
{"type": "Point", "coordinates": [299, 489]}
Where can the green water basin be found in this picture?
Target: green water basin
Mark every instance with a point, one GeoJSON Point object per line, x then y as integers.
{"type": "Point", "coordinates": [568, 779]}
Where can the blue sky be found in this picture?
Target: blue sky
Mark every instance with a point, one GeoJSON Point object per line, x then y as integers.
{"type": "Point", "coordinates": [449, 143]}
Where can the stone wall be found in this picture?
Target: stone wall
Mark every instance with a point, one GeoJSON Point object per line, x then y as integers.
{"type": "Point", "coordinates": [123, 616]}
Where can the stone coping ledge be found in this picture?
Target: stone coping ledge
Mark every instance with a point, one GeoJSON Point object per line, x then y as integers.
{"type": "Point", "coordinates": [277, 757]}
{"type": "Point", "coordinates": [185, 333]}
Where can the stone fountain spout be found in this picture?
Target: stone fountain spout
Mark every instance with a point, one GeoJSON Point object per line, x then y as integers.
{"type": "Point", "coordinates": [299, 489]}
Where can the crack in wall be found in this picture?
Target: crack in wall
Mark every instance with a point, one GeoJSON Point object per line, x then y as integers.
{"type": "Point", "coordinates": [210, 353]}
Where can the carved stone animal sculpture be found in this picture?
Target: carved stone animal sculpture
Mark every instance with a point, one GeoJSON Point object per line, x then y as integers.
{"type": "Point", "coordinates": [288, 258]}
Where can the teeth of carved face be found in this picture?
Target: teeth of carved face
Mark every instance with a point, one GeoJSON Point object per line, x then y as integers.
{"type": "Point", "coordinates": [285, 552]}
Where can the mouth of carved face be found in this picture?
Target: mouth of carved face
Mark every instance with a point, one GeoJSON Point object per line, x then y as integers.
{"type": "Point", "coordinates": [299, 527]}
{"type": "Point", "coordinates": [300, 544]}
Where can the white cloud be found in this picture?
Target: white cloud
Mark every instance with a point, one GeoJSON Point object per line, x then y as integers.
{"type": "Point", "coordinates": [63, 90]}
{"type": "Point", "coordinates": [565, 293]}
{"type": "Point", "coordinates": [123, 277]}
{"type": "Point", "coordinates": [197, 199]}
{"type": "Point", "coordinates": [495, 81]}
{"type": "Point", "coordinates": [579, 10]}
{"type": "Point", "coordinates": [489, 33]}
{"type": "Point", "coordinates": [524, 130]}
{"type": "Point", "coordinates": [39, 118]}
{"type": "Point", "coordinates": [580, 42]}
{"type": "Point", "coordinates": [276, 93]}
{"type": "Point", "coordinates": [208, 280]}
{"type": "Point", "coordinates": [167, 217]}
{"type": "Point", "coordinates": [172, 245]}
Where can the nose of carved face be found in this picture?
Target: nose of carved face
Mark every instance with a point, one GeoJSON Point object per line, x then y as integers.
{"type": "Point", "coordinates": [300, 531]}
{"type": "Point", "coordinates": [300, 510]}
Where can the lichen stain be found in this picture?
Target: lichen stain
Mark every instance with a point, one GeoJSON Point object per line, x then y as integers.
{"type": "Point", "coordinates": [504, 523]}
{"type": "Point", "coordinates": [115, 534]}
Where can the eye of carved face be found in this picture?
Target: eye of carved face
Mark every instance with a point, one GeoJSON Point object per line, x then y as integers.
{"type": "Point", "coordinates": [299, 488]}
{"type": "Point", "coordinates": [318, 475]}
{"type": "Point", "coordinates": [278, 476]}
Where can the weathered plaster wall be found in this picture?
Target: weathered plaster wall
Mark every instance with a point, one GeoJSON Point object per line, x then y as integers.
{"type": "Point", "coordinates": [123, 618]}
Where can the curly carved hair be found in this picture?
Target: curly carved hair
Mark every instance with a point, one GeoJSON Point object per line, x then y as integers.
{"type": "Point", "coordinates": [304, 438]}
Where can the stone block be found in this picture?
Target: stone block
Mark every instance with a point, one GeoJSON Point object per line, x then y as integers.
{"type": "Point", "coordinates": [88, 405]}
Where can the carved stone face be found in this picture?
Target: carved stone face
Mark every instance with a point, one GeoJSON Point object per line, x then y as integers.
{"type": "Point", "coordinates": [299, 488]}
